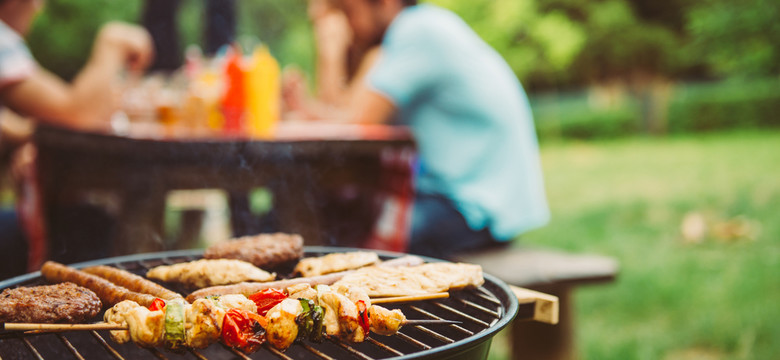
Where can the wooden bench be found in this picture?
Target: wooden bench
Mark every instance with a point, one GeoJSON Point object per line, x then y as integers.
{"type": "Point", "coordinates": [551, 272]}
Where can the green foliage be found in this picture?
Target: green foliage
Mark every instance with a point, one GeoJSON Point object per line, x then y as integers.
{"type": "Point", "coordinates": [726, 106]}
{"type": "Point", "coordinates": [62, 35]}
{"type": "Point", "coordinates": [537, 45]}
{"type": "Point", "coordinates": [550, 44]}
{"type": "Point", "coordinates": [283, 25]}
{"type": "Point", "coordinates": [737, 39]}
{"type": "Point", "coordinates": [578, 120]}
{"type": "Point", "coordinates": [620, 44]}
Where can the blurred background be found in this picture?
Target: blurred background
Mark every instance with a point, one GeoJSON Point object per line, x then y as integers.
{"type": "Point", "coordinates": [660, 138]}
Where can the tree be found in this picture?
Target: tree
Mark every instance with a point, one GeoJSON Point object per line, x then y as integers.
{"type": "Point", "coordinates": [736, 39]}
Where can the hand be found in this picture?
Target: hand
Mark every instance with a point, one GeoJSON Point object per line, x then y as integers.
{"type": "Point", "coordinates": [131, 42]}
{"type": "Point", "coordinates": [293, 89]}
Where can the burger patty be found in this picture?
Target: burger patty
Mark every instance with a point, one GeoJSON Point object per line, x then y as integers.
{"type": "Point", "coordinates": [264, 250]}
{"type": "Point", "coordinates": [60, 303]}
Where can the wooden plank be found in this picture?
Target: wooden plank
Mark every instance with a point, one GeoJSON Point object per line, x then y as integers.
{"type": "Point", "coordinates": [546, 309]}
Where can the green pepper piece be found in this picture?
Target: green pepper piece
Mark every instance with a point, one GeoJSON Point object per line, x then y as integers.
{"type": "Point", "coordinates": [174, 324]}
{"type": "Point", "coordinates": [304, 320]}
{"type": "Point", "coordinates": [317, 316]}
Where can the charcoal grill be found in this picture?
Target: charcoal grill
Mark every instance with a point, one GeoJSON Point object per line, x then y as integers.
{"type": "Point", "coordinates": [483, 312]}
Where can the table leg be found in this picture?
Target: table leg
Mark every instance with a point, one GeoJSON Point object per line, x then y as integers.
{"type": "Point", "coordinates": [140, 225]}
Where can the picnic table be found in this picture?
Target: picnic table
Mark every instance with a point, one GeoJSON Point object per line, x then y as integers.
{"type": "Point", "coordinates": [327, 181]}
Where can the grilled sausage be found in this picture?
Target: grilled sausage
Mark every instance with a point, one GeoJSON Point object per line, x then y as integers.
{"type": "Point", "coordinates": [108, 292]}
{"type": "Point", "coordinates": [247, 288]}
{"type": "Point", "coordinates": [264, 250]}
{"type": "Point", "coordinates": [131, 281]}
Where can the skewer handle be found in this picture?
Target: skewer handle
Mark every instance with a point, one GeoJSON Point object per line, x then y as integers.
{"type": "Point", "coordinates": [63, 327]}
{"type": "Point", "coordinates": [398, 299]}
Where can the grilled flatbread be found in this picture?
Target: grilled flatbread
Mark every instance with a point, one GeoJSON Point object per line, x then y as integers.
{"type": "Point", "coordinates": [414, 280]}
{"type": "Point", "coordinates": [335, 262]}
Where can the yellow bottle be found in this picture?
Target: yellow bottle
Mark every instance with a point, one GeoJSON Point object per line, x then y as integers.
{"type": "Point", "coordinates": [263, 93]}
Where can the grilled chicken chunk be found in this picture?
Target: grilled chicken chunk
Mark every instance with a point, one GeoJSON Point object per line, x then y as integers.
{"type": "Point", "coordinates": [302, 291]}
{"type": "Point", "coordinates": [116, 315]}
{"type": "Point", "coordinates": [203, 323]}
{"type": "Point", "coordinates": [341, 315]}
{"type": "Point", "coordinates": [282, 330]}
{"type": "Point", "coordinates": [384, 321]}
{"type": "Point", "coordinates": [236, 301]}
{"type": "Point", "coordinates": [146, 327]}
{"type": "Point", "coordinates": [353, 293]}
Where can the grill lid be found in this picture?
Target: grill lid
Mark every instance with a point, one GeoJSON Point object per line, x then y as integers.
{"type": "Point", "coordinates": [482, 312]}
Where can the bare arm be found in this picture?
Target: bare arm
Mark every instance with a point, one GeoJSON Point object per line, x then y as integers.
{"type": "Point", "coordinates": [92, 97]}
{"type": "Point", "coordinates": [371, 107]}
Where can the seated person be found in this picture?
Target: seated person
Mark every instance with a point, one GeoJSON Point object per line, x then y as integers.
{"type": "Point", "coordinates": [87, 103]}
{"type": "Point", "coordinates": [480, 180]}
{"type": "Point", "coordinates": [341, 66]}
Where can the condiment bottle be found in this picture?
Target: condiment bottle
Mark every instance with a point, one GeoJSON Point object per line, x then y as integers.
{"type": "Point", "coordinates": [263, 93]}
{"type": "Point", "coordinates": [234, 99]}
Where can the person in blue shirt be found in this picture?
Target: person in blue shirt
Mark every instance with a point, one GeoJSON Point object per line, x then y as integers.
{"type": "Point", "coordinates": [480, 180]}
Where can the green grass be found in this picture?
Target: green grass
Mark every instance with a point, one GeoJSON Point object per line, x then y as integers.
{"type": "Point", "coordinates": [712, 299]}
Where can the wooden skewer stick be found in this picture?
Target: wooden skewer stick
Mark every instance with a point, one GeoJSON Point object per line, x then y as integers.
{"type": "Point", "coordinates": [410, 298]}
{"type": "Point", "coordinates": [30, 328]}
{"type": "Point", "coordinates": [63, 327]}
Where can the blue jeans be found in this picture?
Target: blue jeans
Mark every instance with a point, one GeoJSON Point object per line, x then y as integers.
{"type": "Point", "coordinates": [13, 245]}
{"type": "Point", "coordinates": [439, 230]}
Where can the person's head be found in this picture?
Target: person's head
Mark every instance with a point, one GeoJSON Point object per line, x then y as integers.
{"type": "Point", "coordinates": [19, 14]}
{"type": "Point", "coordinates": [369, 19]}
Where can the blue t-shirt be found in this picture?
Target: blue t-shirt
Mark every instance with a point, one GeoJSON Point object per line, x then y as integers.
{"type": "Point", "coordinates": [470, 117]}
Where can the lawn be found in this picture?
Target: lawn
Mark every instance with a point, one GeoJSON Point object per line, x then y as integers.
{"type": "Point", "coordinates": [712, 296]}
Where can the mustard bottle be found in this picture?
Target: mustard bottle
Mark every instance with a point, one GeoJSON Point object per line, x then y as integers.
{"type": "Point", "coordinates": [263, 93]}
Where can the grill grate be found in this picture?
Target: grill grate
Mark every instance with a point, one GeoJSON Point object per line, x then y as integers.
{"type": "Point", "coordinates": [482, 313]}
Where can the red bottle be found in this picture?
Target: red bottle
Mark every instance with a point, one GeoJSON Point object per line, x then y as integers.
{"type": "Point", "coordinates": [234, 100]}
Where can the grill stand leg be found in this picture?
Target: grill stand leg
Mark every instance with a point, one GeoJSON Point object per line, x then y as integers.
{"type": "Point", "coordinates": [538, 341]}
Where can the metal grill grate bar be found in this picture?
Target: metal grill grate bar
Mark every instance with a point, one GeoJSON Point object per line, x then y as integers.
{"type": "Point", "coordinates": [275, 351]}
{"type": "Point", "coordinates": [435, 334]}
{"type": "Point", "coordinates": [461, 313]}
{"type": "Point", "coordinates": [237, 353]}
{"type": "Point", "coordinates": [383, 346]}
{"type": "Point", "coordinates": [70, 347]}
{"type": "Point", "coordinates": [32, 348]}
{"type": "Point", "coordinates": [158, 354]}
{"type": "Point", "coordinates": [316, 352]}
{"type": "Point", "coordinates": [433, 316]}
{"type": "Point", "coordinates": [487, 295]}
{"type": "Point", "coordinates": [197, 354]}
{"type": "Point", "coordinates": [412, 340]}
{"type": "Point", "coordinates": [106, 345]}
{"type": "Point", "coordinates": [352, 350]}
{"type": "Point", "coordinates": [479, 307]}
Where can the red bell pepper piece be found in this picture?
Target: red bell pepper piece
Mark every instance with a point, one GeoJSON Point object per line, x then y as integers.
{"type": "Point", "coordinates": [243, 330]}
{"type": "Point", "coordinates": [157, 304]}
{"type": "Point", "coordinates": [363, 315]}
{"type": "Point", "coordinates": [267, 299]}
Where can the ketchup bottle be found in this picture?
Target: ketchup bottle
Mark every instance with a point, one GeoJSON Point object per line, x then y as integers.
{"type": "Point", "coordinates": [234, 99]}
